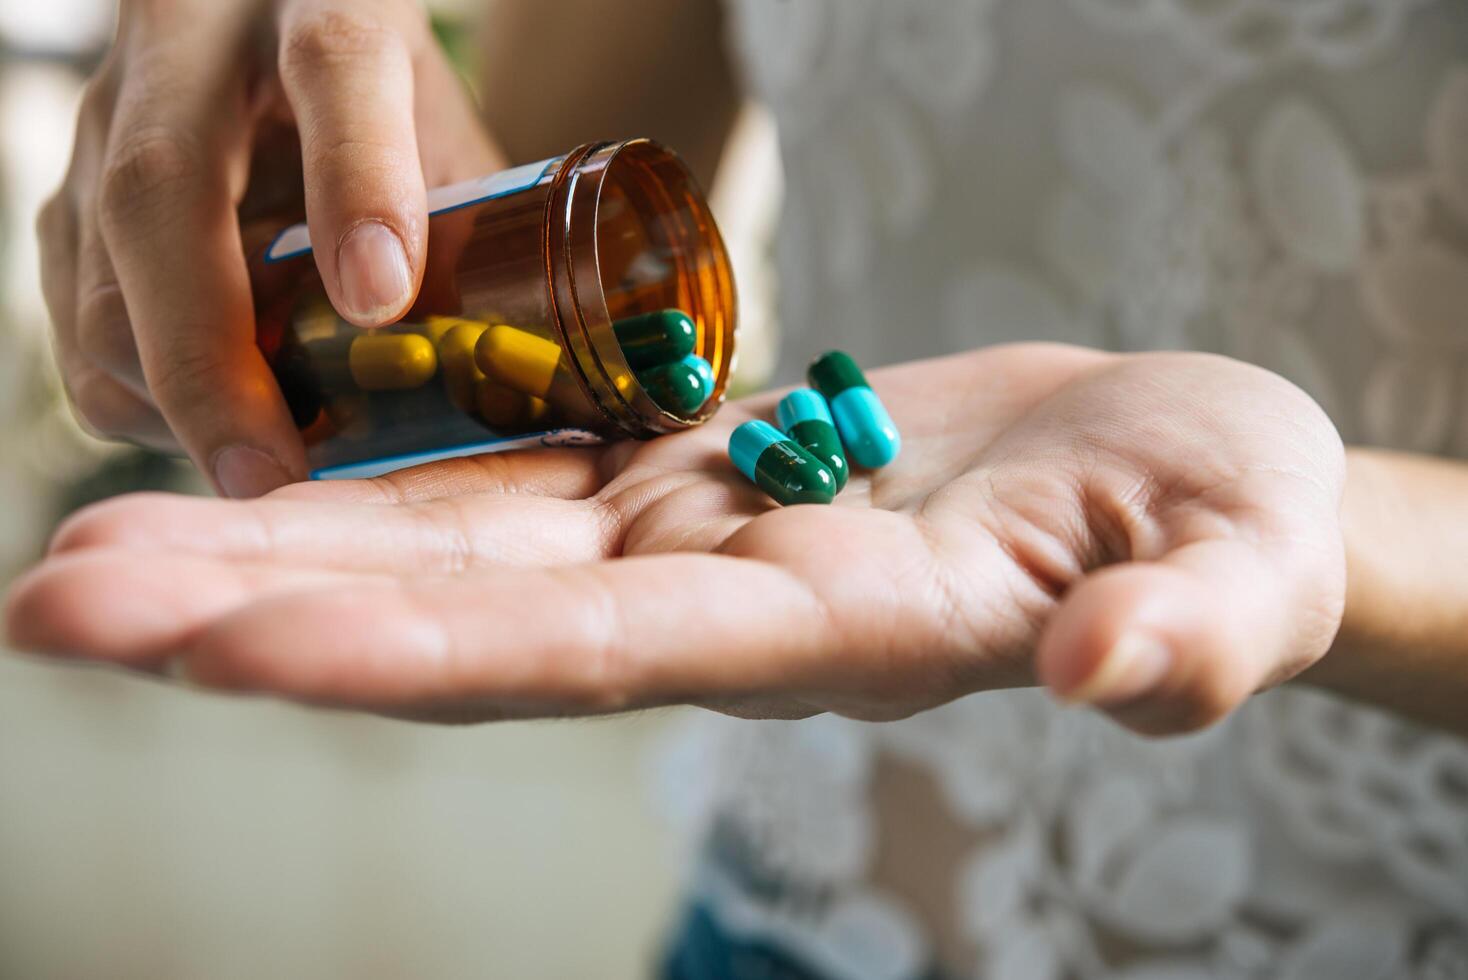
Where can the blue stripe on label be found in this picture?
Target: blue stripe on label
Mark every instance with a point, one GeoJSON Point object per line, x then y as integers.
{"type": "Point", "coordinates": [369, 468]}
{"type": "Point", "coordinates": [295, 241]}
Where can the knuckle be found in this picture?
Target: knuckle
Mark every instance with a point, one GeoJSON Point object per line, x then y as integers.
{"type": "Point", "coordinates": [97, 99]}
{"type": "Point", "coordinates": [323, 38]}
{"type": "Point", "coordinates": [53, 219]}
{"type": "Point", "coordinates": [148, 164]}
{"type": "Point", "coordinates": [187, 377]}
{"type": "Point", "coordinates": [104, 333]}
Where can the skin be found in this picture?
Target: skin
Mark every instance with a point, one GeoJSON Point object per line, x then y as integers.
{"type": "Point", "coordinates": [1072, 505]}
{"type": "Point", "coordinates": [206, 116]}
{"type": "Point", "coordinates": [1159, 535]}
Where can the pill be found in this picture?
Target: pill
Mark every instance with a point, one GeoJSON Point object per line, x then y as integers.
{"type": "Point", "coordinates": [656, 338]}
{"type": "Point", "coordinates": [705, 370]}
{"type": "Point", "coordinates": [500, 406]}
{"type": "Point", "coordinates": [682, 387]}
{"type": "Point", "coordinates": [434, 327]}
{"type": "Point", "coordinates": [779, 466]}
{"type": "Point", "coordinates": [870, 436]}
{"type": "Point", "coordinates": [391, 362]}
{"type": "Point", "coordinates": [460, 371]}
{"type": "Point", "coordinates": [523, 360]}
{"type": "Point", "coordinates": [806, 418]}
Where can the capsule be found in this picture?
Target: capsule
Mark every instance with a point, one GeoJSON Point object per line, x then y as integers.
{"type": "Point", "coordinates": [779, 466]}
{"type": "Point", "coordinates": [518, 358]}
{"type": "Point", "coordinates": [805, 417]}
{"type": "Point", "coordinates": [391, 362]}
{"type": "Point", "coordinates": [870, 436]}
{"type": "Point", "coordinates": [705, 371]}
{"type": "Point", "coordinates": [502, 407]}
{"type": "Point", "coordinates": [682, 387]}
{"type": "Point", "coordinates": [656, 338]}
{"type": "Point", "coordinates": [434, 327]}
{"type": "Point", "coordinates": [456, 355]}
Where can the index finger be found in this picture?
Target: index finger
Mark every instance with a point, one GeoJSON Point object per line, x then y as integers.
{"type": "Point", "coordinates": [174, 169]}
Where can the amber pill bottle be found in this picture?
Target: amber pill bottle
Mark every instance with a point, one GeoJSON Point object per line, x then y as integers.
{"type": "Point", "coordinates": [546, 258]}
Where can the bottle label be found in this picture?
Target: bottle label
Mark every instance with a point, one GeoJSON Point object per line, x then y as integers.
{"type": "Point", "coordinates": [295, 241]}
{"type": "Point", "coordinates": [368, 468]}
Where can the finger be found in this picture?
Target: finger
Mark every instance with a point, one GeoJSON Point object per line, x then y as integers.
{"type": "Point", "coordinates": [587, 638]}
{"type": "Point", "coordinates": [441, 536]}
{"type": "Point", "coordinates": [98, 605]}
{"type": "Point", "coordinates": [107, 410]}
{"type": "Point", "coordinates": [104, 333]}
{"type": "Point", "coordinates": [347, 70]}
{"type": "Point", "coordinates": [103, 407]}
{"type": "Point", "coordinates": [98, 321]}
{"type": "Point", "coordinates": [608, 636]}
{"type": "Point", "coordinates": [174, 169]}
{"type": "Point", "coordinates": [1174, 645]}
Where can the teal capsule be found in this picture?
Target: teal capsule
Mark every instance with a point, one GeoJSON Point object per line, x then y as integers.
{"type": "Point", "coordinates": [705, 371]}
{"type": "Point", "coordinates": [779, 466]}
{"type": "Point", "coordinates": [806, 418]}
{"type": "Point", "coordinates": [681, 387]}
{"type": "Point", "coordinates": [650, 339]}
{"type": "Point", "coordinates": [869, 433]}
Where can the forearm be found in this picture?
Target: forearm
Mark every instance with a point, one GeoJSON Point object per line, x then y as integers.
{"type": "Point", "coordinates": [1403, 643]}
{"type": "Point", "coordinates": [556, 75]}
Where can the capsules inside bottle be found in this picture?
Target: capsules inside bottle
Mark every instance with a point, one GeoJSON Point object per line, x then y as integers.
{"type": "Point", "coordinates": [532, 277]}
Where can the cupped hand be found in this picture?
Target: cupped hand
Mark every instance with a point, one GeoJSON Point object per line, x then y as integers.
{"type": "Point", "coordinates": [206, 115]}
{"type": "Point", "coordinates": [1153, 534]}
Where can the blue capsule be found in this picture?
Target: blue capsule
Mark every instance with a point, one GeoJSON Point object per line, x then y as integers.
{"type": "Point", "coordinates": [869, 433]}
{"type": "Point", "coordinates": [779, 466]}
{"type": "Point", "coordinates": [806, 418]}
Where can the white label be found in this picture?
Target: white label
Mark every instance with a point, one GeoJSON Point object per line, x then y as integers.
{"type": "Point", "coordinates": [295, 241]}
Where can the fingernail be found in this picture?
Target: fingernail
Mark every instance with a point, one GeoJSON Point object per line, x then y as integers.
{"type": "Point", "coordinates": [1135, 664]}
{"type": "Point", "coordinates": [375, 278]}
{"type": "Point", "coordinates": [243, 471]}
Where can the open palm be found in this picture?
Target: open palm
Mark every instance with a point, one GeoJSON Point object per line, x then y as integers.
{"type": "Point", "coordinates": [1153, 533]}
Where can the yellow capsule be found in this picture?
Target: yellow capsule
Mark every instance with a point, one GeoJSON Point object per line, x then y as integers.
{"type": "Point", "coordinates": [436, 326]}
{"type": "Point", "coordinates": [500, 406]}
{"type": "Point", "coordinates": [525, 361]}
{"type": "Point", "coordinates": [456, 355]}
{"type": "Point", "coordinates": [536, 409]}
{"type": "Point", "coordinates": [391, 362]}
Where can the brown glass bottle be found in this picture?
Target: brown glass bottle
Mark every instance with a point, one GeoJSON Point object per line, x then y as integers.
{"type": "Point", "coordinates": [510, 342]}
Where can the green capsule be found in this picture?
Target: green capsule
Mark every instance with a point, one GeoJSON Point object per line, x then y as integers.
{"type": "Point", "coordinates": [806, 418]}
{"type": "Point", "coordinates": [656, 338]}
{"type": "Point", "coordinates": [779, 467]}
{"type": "Point", "coordinates": [681, 388]}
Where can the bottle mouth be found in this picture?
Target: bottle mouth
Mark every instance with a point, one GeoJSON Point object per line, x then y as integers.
{"type": "Point", "coordinates": [638, 237]}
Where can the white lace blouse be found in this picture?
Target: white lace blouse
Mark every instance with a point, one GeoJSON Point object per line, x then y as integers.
{"type": "Point", "coordinates": [1284, 181]}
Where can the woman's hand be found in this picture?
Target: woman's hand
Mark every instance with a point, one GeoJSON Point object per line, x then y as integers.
{"type": "Point", "coordinates": [1155, 534]}
{"type": "Point", "coordinates": [206, 114]}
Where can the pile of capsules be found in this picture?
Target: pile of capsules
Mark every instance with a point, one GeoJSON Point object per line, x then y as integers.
{"type": "Point", "coordinates": [504, 376]}
{"type": "Point", "coordinates": [804, 461]}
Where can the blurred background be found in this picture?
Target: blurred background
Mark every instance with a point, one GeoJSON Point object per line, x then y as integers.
{"type": "Point", "coordinates": [155, 833]}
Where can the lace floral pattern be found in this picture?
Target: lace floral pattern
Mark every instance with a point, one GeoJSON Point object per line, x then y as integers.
{"type": "Point", "coordinates": [1288, 184]}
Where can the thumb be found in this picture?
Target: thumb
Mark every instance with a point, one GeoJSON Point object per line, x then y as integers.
{"type": "Point", "coordinates": [347, 68]}
{"type": "Point", "coordinates": [1174, 645]}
